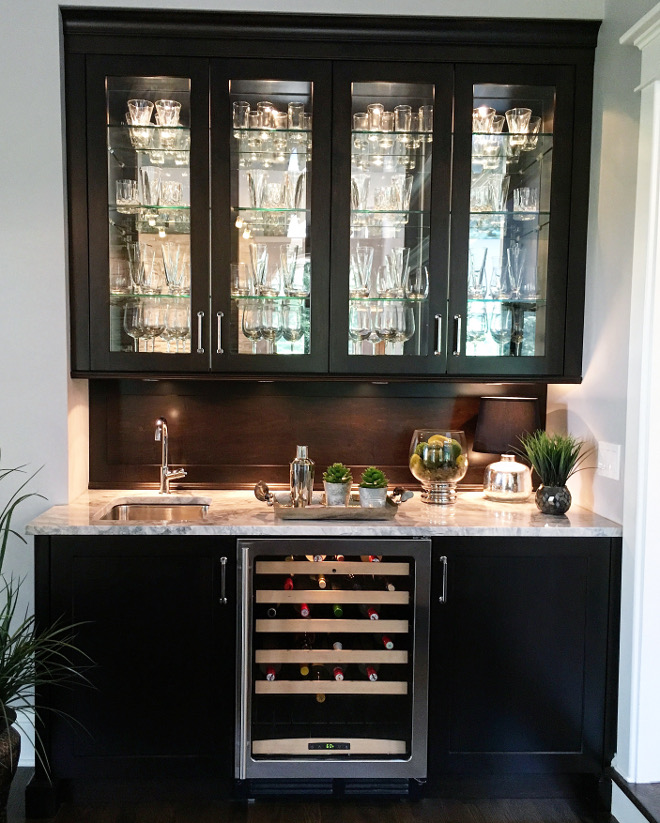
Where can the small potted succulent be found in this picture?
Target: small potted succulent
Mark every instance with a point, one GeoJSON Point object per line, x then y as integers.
{"type": "Point", "coordinates": [555, 458]}
{"type": "Point", "coordinates": [373, 488]}
{"type": "Point", "coordinates": [337, 480]}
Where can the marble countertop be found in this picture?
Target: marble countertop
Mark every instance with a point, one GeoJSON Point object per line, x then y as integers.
{"type": "Point", "coordinates": [240, 513]}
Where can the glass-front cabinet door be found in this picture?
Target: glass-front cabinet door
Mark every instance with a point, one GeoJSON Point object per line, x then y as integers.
{"type": "Point", "coordinates": [509, 236]}
{"type": "Point", "coordinates": [391, 145]}
{"type": "Point", "coordinates": [154, 295]}
{"type": "Point", "coordinates": [271, 166]}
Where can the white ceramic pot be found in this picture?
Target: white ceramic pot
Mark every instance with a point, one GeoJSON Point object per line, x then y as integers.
{"type": "Point", "coordinates": [337, 494]}
{"type": "Point", "coordinates": [373, 498]}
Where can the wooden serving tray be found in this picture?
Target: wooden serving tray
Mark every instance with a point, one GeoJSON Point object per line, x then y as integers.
{"type": "Point", "coordinates": [353, 511]}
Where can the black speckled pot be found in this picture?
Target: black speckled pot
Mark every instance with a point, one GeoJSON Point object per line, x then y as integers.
{"type": "Point", "coordinates": [553, 499]}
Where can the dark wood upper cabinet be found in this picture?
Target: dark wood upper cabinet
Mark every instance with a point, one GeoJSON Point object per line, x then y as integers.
{"type": "Point", "coordinates": [327, 196]}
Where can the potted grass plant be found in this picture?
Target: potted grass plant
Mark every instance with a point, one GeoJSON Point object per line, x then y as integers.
{"type": "Point", "coordinates": [337, 480]}
{"type": "Point", "coordinates": [29, 657]}
{"type": "Point", "coordinates": [555, 458]}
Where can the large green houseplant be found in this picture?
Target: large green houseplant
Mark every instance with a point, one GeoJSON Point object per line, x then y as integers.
{"type": "Point", "coordinates": [29, 657]}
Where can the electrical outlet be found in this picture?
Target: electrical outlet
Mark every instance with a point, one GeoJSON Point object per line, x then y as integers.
{"type": "Point", "coordinates": [609, 460]}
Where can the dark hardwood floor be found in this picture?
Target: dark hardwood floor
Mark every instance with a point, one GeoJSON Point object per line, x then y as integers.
{"type": "Point", "coordinates": [511, 810]}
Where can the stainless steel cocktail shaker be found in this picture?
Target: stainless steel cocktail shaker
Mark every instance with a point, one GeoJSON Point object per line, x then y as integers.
{"type": "Point", "coordinates": [302, 478]}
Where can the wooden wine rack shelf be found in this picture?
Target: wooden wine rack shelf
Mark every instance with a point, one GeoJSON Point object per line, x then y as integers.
{"type": "Point", "coordinates": [283, 596]}
{"type": "Point", "coordinates": [331, 567]}
{"type": "Point", "coordinates": [330, 687]}
{"type": "Point", "coordinates": [338, 657]}
{"type": "Point", "coordinates": [337, 625]}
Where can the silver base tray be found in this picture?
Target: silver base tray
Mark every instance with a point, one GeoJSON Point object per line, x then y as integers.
{"type": "Point", "coordinates": [321, 512]}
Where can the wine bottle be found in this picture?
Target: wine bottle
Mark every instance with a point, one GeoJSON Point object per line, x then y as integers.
{"type": "Point", "coordinates": [371, 558]}
{"type": "Point", "coordinates": [320, 579]}
{"type": "Point", "coordinates": [387, 641]}
{"type": "Point", "coordinates": [303, 609]}
{"type": "Point", "coordinates": [306, 644]}
{"type": "Point", "coordinates": [271, 611]}
{"type": "Point", "coordinates": [370, 611]}
{"type": "Point", "coordinates": [369, 670]}
{"type": "Point", "coordinates": [288, 584]}
{"type": "Point", "coordinates": [387, 584]}
{"type": "Point", "coordinates": [319, 673]}
{"type": "Point", "coordinates": [315, 558]}
{"type": "Point", "coordinates": [336, 671]}
{"type": "Point", "coordinates": [337, 610]}
{"type": "Point", "coordinates": [270, 670]}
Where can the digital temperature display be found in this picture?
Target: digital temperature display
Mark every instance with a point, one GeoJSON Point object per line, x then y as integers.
{"type": "Point", "coordinates": [314, 747]}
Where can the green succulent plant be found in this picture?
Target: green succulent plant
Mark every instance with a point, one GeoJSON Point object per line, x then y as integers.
{"type": "Point", "coordinates": [373, 478]}
{"type": "Point", "coordinates": [338, 473]}
{"type": "Point", "coordinates": [554, 457]}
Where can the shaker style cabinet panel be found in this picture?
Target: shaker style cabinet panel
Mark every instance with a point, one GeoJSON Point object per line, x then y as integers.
{"type": "Point", "coordinates": [283, 199]}
{"type": "Point", "coordinates": [523, 673]}
{"type": "Point", "coordinates": [162, 648]}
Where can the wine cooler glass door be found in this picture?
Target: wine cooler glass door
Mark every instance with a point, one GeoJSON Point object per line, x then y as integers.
{"type": "Point", "coordinates": [333, 658]}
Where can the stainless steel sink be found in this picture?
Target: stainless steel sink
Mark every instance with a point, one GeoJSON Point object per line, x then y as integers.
{"type": "Point", "coordinates": [170, 512]}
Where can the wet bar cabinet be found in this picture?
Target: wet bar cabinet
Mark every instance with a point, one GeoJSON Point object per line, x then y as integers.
{"type": "Point", "coordinates": [333, 659]}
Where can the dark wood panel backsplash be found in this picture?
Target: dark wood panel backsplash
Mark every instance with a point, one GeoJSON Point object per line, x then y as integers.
{"type": "Point", "coordinates": [229, 435]}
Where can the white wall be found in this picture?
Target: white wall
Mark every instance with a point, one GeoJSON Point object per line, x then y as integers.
{"type": "Point", "coordinates": [43, 413]}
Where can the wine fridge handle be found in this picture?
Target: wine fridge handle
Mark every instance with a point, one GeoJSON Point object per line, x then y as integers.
{"type": "Point", "coordinates": [438, 334]}
{"type": "Point", "coordinates": [458, 321]}
{"type": "Point", "coordinates": [443, 593]}
{"type": "Point", "coordinates": [223, 581]}
{"type": "Point", "coordinates": [200, 332]}
{"type": "Point", "coordinates": [219, 349]}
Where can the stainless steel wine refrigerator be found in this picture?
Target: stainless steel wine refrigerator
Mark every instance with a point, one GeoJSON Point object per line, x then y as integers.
{"type": "Point", "coordinates": [333, 642]}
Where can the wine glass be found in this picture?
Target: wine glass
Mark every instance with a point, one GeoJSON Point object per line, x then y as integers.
{"type": "Point", "coordinates": [251, 322]}
{"type": "Point", "coordinates": [477, 325]}
{"type": "Point", "coordinates": [405, 322]}
{"type": "Point", "coordinates": [501, 325]}
{"type": "Point", "coordinates": [271, 322]}
{"type": "Point", "coordinates": [177, 322]}
{"type": "Point", "coordinates": [133, 324]}
{"type": "Point", "coordinates": [293, 322]}
{"type": "Point", "coordinates": [153, 319]}
{"type": "Point", "coordinates": [359, 322]}
{"type": "Point", "coordinates": [386, 324]}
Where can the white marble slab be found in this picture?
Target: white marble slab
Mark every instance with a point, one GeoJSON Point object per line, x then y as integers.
{"type": "Point", "coordinates": [240, 513]}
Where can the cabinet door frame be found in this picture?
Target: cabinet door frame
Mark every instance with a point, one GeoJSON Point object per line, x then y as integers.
{"type": "Point", "coordinates": [601, 558]}
{"type": "Point", "coordinates": [101, 359]}
{"type": "Point", "coordinates": [319, 73]}
{"type": "Point", "coordinates": [440, 75]}
{"type": "Point", "coordinates": [567, 188]}
{"type": "Point", "coordinates": [56, 599]}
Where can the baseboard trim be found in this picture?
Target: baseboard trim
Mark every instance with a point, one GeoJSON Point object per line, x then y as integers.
{"type": "Point", "coordinates": [635, 802]}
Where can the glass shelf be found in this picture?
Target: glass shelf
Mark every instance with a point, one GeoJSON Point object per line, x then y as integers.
{"type": "Point", "coordinates": [298, 298]}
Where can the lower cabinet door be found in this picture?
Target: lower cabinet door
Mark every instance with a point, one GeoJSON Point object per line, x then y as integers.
{"type": "Point", "coordinates": [523, 655]}
{"type": "Point", "coordinates": [161, 646]}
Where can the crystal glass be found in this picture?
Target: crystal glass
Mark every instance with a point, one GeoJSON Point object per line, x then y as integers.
{"type": "Point", "coordinates": [438, 459]}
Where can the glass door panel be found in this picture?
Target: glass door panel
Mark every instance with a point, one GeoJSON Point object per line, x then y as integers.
{"type": "Point", "coordinates": [271, 248]}
{"type": "Point", "coordinates": [149, 252]}
{"type": "Point", "coordinates": [509, 223]}
{"type": "Point", "coordinates": [390, 210]}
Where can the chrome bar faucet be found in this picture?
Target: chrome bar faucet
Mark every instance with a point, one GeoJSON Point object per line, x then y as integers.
{"type": "Point", "coordinates": [166, 474]}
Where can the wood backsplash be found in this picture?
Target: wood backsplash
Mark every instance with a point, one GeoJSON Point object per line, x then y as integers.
{"type": "Point", "coordinates": [232, 434]}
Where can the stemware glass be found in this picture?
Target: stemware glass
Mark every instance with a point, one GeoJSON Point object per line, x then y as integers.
{"type": "Point", "coordinates": [133, 322]}
{"type": "Point", "coordinates": [252, 322]}
{"type": "Point", "coordinates": [153, 321]}
{"type": "Point", "coordinates": [405, 322]}
{"type": "Point", "coordinates": [438, 459]}
{"type": "Point", "coordinates": [293, 321]}
{"type": "Point", "coordinates": [477, 324]}
{"type": "Point", "coordinates": [360, 271]}
{"type": "Point", "coordinates": [501, 325]}
{"type": "Point", "coordinates": [258, 264]}
{"type": "Point", "coordinates": [416, 284]}
{"type": "Point", "coordinates": [477, 277]}
{"type": "Point", "coordinates": [271, 322]}
{"type": "Point", "coordinates": [398, 264]}
{"type": "Point", "coordinates": [177, 322]}
{"type": "Point", "coordinates": [386, 324]}
{"type": "Point", "coordinates": [359, 321]}
{"type": "Point", "coordinates": [172, 252]}
{"type": "Point", "coordinates": [141, 259]}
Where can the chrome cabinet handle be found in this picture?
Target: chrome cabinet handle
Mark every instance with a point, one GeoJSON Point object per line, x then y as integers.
{"type": "Point", "coordinates": [458, 321]}
{"type": "Point", "coordinates": [219, 349]}
{"type": "Point", "coordinates": [223, 581]}
{"type": "Point", "coordinates": [438, 334]}
{"type": "Point", "coordinates": [443, 595]}
{"type": "Point", "coordinates": [200, 332]}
